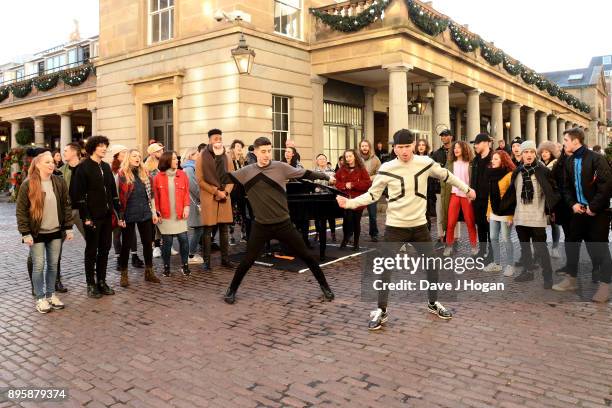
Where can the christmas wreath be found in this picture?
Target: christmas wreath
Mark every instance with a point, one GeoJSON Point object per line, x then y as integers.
{"type": "Point", "coordinates": [4, 92]}
{"type": "Point", "coordinates": [21, 89]}
{"type": "Point", "coordinates": [76, 76]}
{"type": "Point", "coordinates": [46, 82]}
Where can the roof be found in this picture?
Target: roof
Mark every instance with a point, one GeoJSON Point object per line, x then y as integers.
{"type": "Point", "coordinates": [575, 78]}
{"type": "Point", "coordinates": [598, 60]}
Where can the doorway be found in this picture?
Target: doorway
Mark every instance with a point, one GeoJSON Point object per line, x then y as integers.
{"type": "Point", "coordinates": [160, 124]}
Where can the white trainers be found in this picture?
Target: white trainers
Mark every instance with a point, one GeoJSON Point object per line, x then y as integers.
{"type": "Point", "coordinates": [493, 267]}
{"type": "Point", "coordinates": [157, 252]}
{"type": "Point", "coordinates": [195, 259]}
{"type": "Point", "coordinates": [173, 251]}
{"type": "Point", "coordinates": [43, 306]}
{"type": "Point", "coordinates": [554, 253]}
{"type": "Point", "coordinates": [55, 302]}
{"type": "Point", "coordinates": [568, 283]}
{"type": "Point", "coordinates": [509, 270]}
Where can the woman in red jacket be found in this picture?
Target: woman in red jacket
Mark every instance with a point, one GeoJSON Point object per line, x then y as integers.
{"type": "Point", "coordinates": [353, 179]}
{"type": "Point", "coordinates": [171, 192]}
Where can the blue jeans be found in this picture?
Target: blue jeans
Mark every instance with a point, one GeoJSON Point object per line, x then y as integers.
{"type": "Point", "coordinates": [44, 280]}
{"type": "Point", "coordinates": [499, 231]}
{"type": "Point", "coordinates": [196, 238]}
{"type": "Point", "coordinates": [167, 246]}
{"type": "Point", "coordinates": [372, 220]}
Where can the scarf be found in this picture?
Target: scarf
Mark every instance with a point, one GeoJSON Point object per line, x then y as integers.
{"type": "Point", "coordinates": [527, 191]}
{"type": "Point", "coordinates": [211, 165]}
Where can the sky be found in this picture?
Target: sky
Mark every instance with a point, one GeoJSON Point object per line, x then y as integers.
{"type": "Point", "coordinates": [536, 32]}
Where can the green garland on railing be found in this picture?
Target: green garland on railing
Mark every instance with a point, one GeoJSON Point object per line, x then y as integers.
{"type": "Point", "coordinates": [4, 92]}
{"type": "Point", "coordinates": [553, 89]}
{"type": "Point", "coordinates": [426, 21]}
{"type": "Point", "coordinates": [562, 95]}
{"type": "Point", "coordinates": [529, 76]}
{"type": "Point", "coordinates": [512, 66]}
{"type": "Point", "coordinates": [46, 82]}
{"type": "Point", "coordinates": [349, 24]}
{"type": "Point", "coordinates": [465, 42]}
{"type": "Point", "coordinates": [541, 83]}
{"type": "Point", "coordinates": [21, 89]}
{"type": "Point", "coordinates": [76, 76]}
{"type": "Point", "coordinates": [492, 55]}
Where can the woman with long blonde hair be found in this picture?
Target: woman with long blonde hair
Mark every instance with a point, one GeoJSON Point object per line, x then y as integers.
{"type": "Point", "coordinates": [44, 219]}
{"type": "Point", "coordinates": [137, 208]}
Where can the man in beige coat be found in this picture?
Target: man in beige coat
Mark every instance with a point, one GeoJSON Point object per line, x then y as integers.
{"type": "Point", "coordinates": [215, 201]}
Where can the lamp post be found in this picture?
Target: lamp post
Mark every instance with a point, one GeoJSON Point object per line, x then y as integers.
{"type": "Point", "coordinates": [2, 138]}
{"type": "Point", "coordinates": [507, 125]}
{"type": "Point", "coordinates": [243, 56]}
{"type": "Point", "coordinates": [81, 130]}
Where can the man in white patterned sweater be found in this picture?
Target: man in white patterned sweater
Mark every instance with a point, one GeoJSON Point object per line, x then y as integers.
{"type": "Point", "coordinates": [406, 180]}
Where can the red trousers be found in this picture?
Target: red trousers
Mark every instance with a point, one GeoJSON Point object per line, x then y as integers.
{"type": "Point", "coordinates": [460, 203]}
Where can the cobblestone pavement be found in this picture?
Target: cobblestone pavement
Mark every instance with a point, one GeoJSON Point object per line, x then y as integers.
{"type": "Point", "coordinates": [178, 344]}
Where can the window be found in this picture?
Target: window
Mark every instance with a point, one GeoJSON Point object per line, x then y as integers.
{"type": "Point", "coordinates": [575, 77]}
{"type": "Point", "coordinates": [287, 17]}
{"type": "Point", "coordinates": [342, 128]}
{"type": "Point", "coordinates": [607, 72]}
{"type": "Point", "coordinates": [606, 60]}
{"type": "Point", "coordinates": [280, 124]}
{"type": "Point", "coordinates": [161, 20]}
{"type": "Point", "coordinates": [85, 53]}
{"type": "Point", "coordinates": [19, 74]}
{"type": "Point", "coordinates": [41, 68]}
{"type": "Point", "coordinates": [56, 63]}
{"type": "Point", "coordinates": [72, 57]}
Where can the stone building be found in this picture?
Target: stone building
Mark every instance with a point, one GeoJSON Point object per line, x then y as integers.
{"type": "Point", "coordinates": [324, 75]}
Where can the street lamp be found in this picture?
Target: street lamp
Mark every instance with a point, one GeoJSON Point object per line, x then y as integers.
{"type": "Point", "coordinates": [81, 130]}
{"type": "Point", "coordinates": [243, 56]}
{"type": "Point", "coordinates": [2, 138]}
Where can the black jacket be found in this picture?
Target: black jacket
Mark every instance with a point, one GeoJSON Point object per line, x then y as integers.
{"type": "Point", "coordinates": [480, 184]}
{"type": "Point", "coordinates": [596, 181]}
{"type": "Point", "coordinates": [544, 177]}
{"type": "Point", "coordinates": [440, 156]}
{"type": "Point", "coordinates": [563, 212]}
{"type": "Point", "coordinates": [93, 190]}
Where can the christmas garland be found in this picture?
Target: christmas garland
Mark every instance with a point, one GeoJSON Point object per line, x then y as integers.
{"type": "Point", "coordinates": [47, 82]}
{"type": "Point", "coordinates": [562, 95]}
{"type": "Point", "coordinates": [349, 24]}
{"type": "Point", "coordinates": [426, 21]}
{"type": "Point", "coordinates": [542, 83]}
{"type": "Point", "coordinates": [22, 89]}
{"type": "Point", "coordinates": [466, 42]}
{"type": "Point", "coordinates": [4, 93]}
{"type": "Point", "coordinates": [529, 76]}
{"type": "Point", "coordinates": [512, 66]}
{"type": "Point", "coordinates": [76, 76]}
{"type": "Point", "coordinates": [553, 89]}
{"type": "Point", "coordinates": [492, 55]}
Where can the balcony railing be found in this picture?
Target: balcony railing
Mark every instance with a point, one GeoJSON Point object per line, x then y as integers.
{"type": "Point", "coordinates": [47, 71]}
{"type": "Point", "coordinates": [347, 8]}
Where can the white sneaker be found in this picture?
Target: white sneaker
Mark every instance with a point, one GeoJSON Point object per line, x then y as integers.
{"type": "Point", "coordinates": [55, 302]}
{"type": "Point", "coordinates": [195, 259]}
{"type": "Point", "coordinates": [493, 267]}
{"type": "Point", "coordinates": [157, 252]}
{"type": "Point", "coordinates": [43, 306]}
{"type": "Point", "coordinates": [509, 271]}
{"type": "Point", "coordinates": [554, 253]}
{"type": "Point", "coordinates": [567, 284]}
{"type": "Point", "coordinates": [173, 251]}
{"type": "Point", "coordinates": [448, 250]}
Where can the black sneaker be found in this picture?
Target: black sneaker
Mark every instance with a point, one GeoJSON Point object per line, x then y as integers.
{"type": "Point", "coordinates": [93, 292]}
{"type": "Point", "coordinates": [166, 271]}
{"type": "Point", "coordinates": [185, 269]}
{"type": "Point", "coordinates": [59, 286]}
{"type": "Point", "coordinates": [230, 296]}
{"type": "Point", "coordinates": [137, 262]}
{"type": "Point", "coordinates": [328, 295]}
{"type": "Point", "coordinates": [377, 319]}
{"type": "Point", "coordinates": [437, 309]}
{"type": "Point", "coordinates": [374, 239]}
{"type": "Point", "coordinates": [232, 241]}
{"type": "Point", "coordinates": [525, 276]}
{"type": "Point", "coordinates": [105, 289]}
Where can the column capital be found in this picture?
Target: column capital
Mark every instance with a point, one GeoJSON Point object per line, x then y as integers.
{"type": "Point", "coordinates": [442, 82]}
{"type": "Point", "coordinates": [314, 79]}
{"type": "Point", "coordinates": [552, 116]}
{"type": "Point", "coordinates": [14, 122]}
{"type": "Point", "coordinates": [369, 91]}
{"type": "Point", "coordinates": [530, 109]}
{"type": "Point", "coordinates": [65, 113]}
{"type": "Point", "coordinates": [473, 91]}
{"type": "Point", "coordinates": [497, 99]}
{"type": "Point", "coordinates": [515, 105]}
{"type": "Point", "coordinates": [35, 118]}
{"type": "Point", "coordinates": [398, 67]}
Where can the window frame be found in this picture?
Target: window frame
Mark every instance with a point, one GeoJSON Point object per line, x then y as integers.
{"type": "Point", "coordinates": [19, 71]}
{"type": "Point", "coordinates": [606, 58]}
{"type": "Point", "coordinates": [300, 10]}
{"type": "Point", "coordinates": [171, 10]}
{"type": "Point", "coordinates": [277, 150]}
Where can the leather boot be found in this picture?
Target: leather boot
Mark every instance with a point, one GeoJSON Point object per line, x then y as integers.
{"type": "Point", "coordinates": [207, 241]}
{"type": "Point", "coordinates": [59, 287]}
{"type": "Point", "coordinates": [356, 243]}
{"type": "Point", "coordinates": [137, 262]}
{"type": "Point", "coordinates": [149, 275]}
{"type": "Point", "coordinates": [123, 282]}
{"type": "Point", "coordinates": [30, 268]}
{"type": "Point", "coordinates": [224, 241]}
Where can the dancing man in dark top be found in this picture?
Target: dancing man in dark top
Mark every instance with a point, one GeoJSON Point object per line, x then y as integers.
{"type": "Point", "coordinates": [265, 185]}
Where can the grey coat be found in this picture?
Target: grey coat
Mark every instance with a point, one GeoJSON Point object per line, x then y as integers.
{"type": "Point", "coordinates": [194, 219]}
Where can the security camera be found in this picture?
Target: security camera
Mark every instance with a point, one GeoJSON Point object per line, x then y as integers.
{"type": "Point", "coordinates": [220, 15]}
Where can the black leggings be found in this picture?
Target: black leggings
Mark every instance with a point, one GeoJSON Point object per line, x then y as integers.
{"type": "Point", "coordinates": [98, 240]}
{"type": "Point", "coordinates": [284, 232]}
{"type": "Point", "coordinates": [351, 224]}
{"type": "Point", "coordinates": [128, 235]}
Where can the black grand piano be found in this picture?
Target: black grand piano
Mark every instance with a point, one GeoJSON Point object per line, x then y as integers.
{"type": "Point", "coordinates": [310, 201]}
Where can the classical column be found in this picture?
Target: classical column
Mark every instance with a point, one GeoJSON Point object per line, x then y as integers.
{"type": "Point", "coordinates": [94, 121]}
{"type": "Point", "coordinates": [473, 114]}
{"type": "Point", "coordinates": [458, 124]}
{"type": "Point", "coordinates": [530, 125]}
{"type": "Point", "coordinates": [14, 130]}
{"type": "Point", "coordinates": [368, 113]}
{"type": "Point", "coordinates": [568, 125]}
{"type": "Point", "coordinates": [318, 144]}
{"type": "Point", "coordinates": [542, 127]}
{"type": "Point", "coordinates": [560, 129]}
{"type": "Point", "coordinates": [497, 119]}
{"type": "Point", "coordinates": [39, 131]}
{"type": "Point", "coordinates": [515, 120]}
{"type": "Point", "coordinates": [441, 109]}
{"type": "Point", "coordinates": [592, 133]}
{"type": "Point", "coordinates": [552, 128]}
{"type": "Point", "coordinates": [398, 97]}
{"type": "Point", "coordinates": [65, 130]}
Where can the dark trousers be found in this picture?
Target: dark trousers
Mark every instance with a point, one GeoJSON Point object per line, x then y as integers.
{"type": "Point", "coordinates": [98, 240]}
{"type": "Point", "coordinates": [351, 225]}
{"type": "Point", "coordinates": [223, 241]}
{"type": "Point", "coordinates": [284, 232]}
{"type": "Point", "coordinates": [128, 235]}
{"type": "Point", "coordinates": [118, 239]}
{"type": "Point", "coordinates": [414, 236]}
{"type": "Point", "coordinates": [593, 230]}
{"type": "Point", "coordinates": [539, 255]}
{"type": "Point", "coordinates": [373, 228]}
{"type": "Point", "coordinates": [482, 226]}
